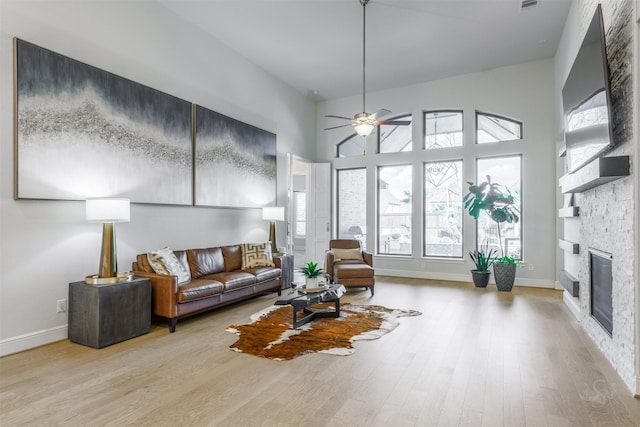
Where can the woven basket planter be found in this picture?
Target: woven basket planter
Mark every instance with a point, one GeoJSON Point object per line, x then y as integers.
{"type": "Point", "coordinates": [505, 275]}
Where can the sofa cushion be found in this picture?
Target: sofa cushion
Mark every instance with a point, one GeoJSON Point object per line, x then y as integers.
{"type": "Point", "coordinates": [232, 257]}
{"type": "Point", "coordinates": [233, 279]}
{"type": "Point", "coordinates": [264, 273]}
{"type": "Point", "coordinates": [199, 289]}
{"type": "Point", "coordinates": [164, 261]}
{"type": "Point", "coordinates": [347, 254]}
{"type": "Point", "coordinates": [205, 261]}
{"type": "Point", "coordinates": [351, 270]}
{"type": "Point", "coordinates": [256, 255]}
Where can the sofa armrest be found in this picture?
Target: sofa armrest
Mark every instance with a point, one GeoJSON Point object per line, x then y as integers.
{"type": "Point", "coordinates": [165, 293]}
{"type": "Point", "coordinates": [330, 257]}
{"type": "Point", "coordinates": [368, 258]}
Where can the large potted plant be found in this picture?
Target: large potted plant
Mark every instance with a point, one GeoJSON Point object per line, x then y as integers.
{"type": "Point", "coordinates": [483, 259]}
{"type": "Point", "coordinates": [311, 272]}
{"type": "Point", "coordinates": [499, 203]}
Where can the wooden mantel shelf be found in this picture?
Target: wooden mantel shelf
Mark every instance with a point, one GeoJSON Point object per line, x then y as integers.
{"type": "Point", "coordinates": [598, 172]}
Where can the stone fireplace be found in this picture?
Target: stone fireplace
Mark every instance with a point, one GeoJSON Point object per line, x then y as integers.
{"type": "Point", "coordinates": [597, 241]}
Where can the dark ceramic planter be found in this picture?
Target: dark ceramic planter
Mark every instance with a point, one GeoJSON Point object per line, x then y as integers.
{"type": "Point", "coordinates": [505, 275]}
{"type": "Point", "coordinates": [480, 278]}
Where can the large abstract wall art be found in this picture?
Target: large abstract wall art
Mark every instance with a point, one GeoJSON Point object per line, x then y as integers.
{"type": "Point", "coordinates": [83, 132]}
{"type": "Point", "coordinates": [235, 163]}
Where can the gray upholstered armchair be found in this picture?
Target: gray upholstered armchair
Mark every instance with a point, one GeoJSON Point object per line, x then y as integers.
{"type": "Point", "coordinates": [348, 265]}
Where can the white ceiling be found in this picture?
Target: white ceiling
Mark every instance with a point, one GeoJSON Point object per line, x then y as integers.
{"type": "Point", "coordinates": [316, 45]}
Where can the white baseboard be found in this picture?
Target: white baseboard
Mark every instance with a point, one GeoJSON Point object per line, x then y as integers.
{"type": "Point", "coordinates": [533, 283]}
{"type": "Point", "coordinates": [559, 286]}
{"type": "Point", "coordinates": [572, 304]}
{"type": "Point", "coordinates": [33, 340]}
{"type": "Point", "coordinates": [636, 394]}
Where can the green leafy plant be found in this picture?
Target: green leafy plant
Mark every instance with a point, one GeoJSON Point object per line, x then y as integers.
{"type": "Point", "coordinates": [311, 270]}
{"type": "Point", "coordinates": [484, 258]}
{"type": "Point", "coordinates": [494, 199]}
{"type": "Point", "coordinates": [509, 260]}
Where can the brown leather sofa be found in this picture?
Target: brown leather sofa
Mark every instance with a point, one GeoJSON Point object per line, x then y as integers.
{"type": "Point", "coordinates": [217, 279]}
{"type": "Point", "coordinates": [354, 269]}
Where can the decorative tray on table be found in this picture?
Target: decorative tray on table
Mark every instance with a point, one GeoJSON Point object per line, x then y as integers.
{"type": "Point", "coordinates": [305, 290]}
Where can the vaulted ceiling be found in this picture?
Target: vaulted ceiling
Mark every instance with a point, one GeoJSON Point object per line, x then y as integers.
{"type": "Point", "coordinates": [316, 45]}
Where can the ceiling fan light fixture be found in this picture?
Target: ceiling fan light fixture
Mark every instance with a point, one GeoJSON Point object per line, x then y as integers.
{"type": "Point", "coordinates": [364, 129]}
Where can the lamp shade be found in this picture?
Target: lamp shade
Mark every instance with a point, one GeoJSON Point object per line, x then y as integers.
{"type": "Point", "coordinates": [273, 213]}
{"type": "Point", "coordinates": [364, 129]}
{"type": "Point", "coordinates": [107, 210]}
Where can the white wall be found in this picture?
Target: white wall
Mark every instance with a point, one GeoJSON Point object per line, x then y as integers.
{"type": "Point", "coordinates": [44, 245]}
{"type": "Point", "coordinates": [524, 92]}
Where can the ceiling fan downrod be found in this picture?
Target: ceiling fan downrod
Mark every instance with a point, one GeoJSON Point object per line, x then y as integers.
{"type": "Point", "coordinates": [364, 51]}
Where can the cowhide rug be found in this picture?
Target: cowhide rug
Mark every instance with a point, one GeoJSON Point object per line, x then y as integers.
{"type": "Point", "coordinates": [270, 335]}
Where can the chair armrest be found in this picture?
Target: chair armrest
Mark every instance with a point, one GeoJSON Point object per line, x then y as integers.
{"type": "Point", "coordinates": [164, 290]}
{"type": "Point", "coordinates": [328, 265]}
{"type": "Point", "coordinates": [368, 258]}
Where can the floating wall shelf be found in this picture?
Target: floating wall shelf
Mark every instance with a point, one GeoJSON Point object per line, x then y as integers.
{"type": "Point", "coordinates": [567, 246]}
{"type": "Point", "coordinates": [563, 151]}
{"type": "Point", "coordinates": [570, 283]}
{"type": "Point", "coordinates": [598, 172]}
{"type": "Point", "coordinates": [569, 212]}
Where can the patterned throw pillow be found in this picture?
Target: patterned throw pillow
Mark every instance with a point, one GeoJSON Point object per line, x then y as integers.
{"type": "Point", "coordinates": [347, 254]}
{"type": "Point", "coordinates": [164, 261]}
{"type": "Point", "coordinates": [256, 255]}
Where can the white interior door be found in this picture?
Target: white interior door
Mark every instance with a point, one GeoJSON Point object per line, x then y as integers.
{"type": "Point", "coordinates": [318, 211]}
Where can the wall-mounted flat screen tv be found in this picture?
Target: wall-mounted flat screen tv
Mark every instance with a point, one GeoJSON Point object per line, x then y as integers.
{"type": "Point", "coordinates": [586, 99]}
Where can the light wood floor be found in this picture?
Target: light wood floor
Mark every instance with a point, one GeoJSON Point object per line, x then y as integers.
{"type": "Point", "coordinates": [474, 358]}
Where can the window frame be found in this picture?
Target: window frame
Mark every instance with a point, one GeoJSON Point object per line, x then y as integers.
{"type": "Point", "coordinates": [345, 140]}
{"type": "Point", "coordinates": [398, 117]}
{"type": "Point", "coordinates": [501, 117]}
{"type": "Point", "coordinates": [377, 210]}
{"type": "Point", "coordinates": [502, 156]}
{"type": "Point", "coordinates": [462, 210]}
{"type": "Point", "coordinates": [337, 198]}
{"type": "Point", "coordinates": [424, 127]}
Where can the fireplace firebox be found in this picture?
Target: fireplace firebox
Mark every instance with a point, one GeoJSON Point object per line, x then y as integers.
{"type": "Point", "coordinates": [601, 278]}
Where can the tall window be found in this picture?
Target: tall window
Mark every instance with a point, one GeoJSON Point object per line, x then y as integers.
{"type": "Point", "coordinates": [394, 210]}
{"type": "Point", "coordinates": [507, 172]}
{"type": "Point", "coordinates": [352, 146]}
{"type": "Point", "coordinates": [352, 204]}
{"type": "Point", "coordinates": [442, 129]}
{"type": "Point", "coordinates": [443, 209]}
{"type": "Point", "coordinates": [395, 138]}
{"type": "Point", "coordinates": [493, 128]}
{"type": "Point", "coordinates": [299, 214]}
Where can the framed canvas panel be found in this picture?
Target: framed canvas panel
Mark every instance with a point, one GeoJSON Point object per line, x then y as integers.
{"type": "Point", "coordinates": [83, 132]}
{"type": "Point", "coordinates": [235, 163]}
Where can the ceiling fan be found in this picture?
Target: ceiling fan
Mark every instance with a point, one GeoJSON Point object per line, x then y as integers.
{"type": "Point", "coordinates": [364, 123]}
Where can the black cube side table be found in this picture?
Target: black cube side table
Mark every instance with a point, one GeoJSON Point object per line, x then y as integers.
{"type": "Point", "coordinates": [101, 315]}
{"type": "Point", "coordinates": [286, 266]}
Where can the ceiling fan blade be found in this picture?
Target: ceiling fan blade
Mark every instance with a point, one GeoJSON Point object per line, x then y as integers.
{"type": "Point", "coordinates": [339, 117]}
{"type": "Point", "coordinates": [380, 113]}
{"type": "Point", "coordinates": [394, 122]}
{"type": "Point", "coordinates": [337, 127]}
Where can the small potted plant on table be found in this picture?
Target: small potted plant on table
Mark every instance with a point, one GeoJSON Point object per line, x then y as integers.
{"type": "Point", "coordinates": [311, 272]}
{"type": "Point", "coordinates": [497, 202]}
{"type": "Point", "coordinates": [483, 259]}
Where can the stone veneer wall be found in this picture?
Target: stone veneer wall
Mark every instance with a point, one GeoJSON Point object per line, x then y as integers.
{"type": "Point", "coordinates": [606, 219]}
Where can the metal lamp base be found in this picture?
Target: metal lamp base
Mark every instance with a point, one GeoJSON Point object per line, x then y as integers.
{"type": "Point", "coordinates": [95, 279]}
